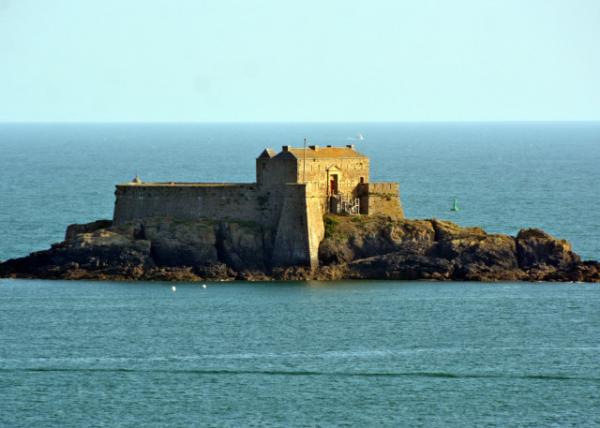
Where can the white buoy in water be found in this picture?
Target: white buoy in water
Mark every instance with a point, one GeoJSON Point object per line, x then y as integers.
{"type": "Point", "coordinates": [203, 285]}
{"type": "Point", "coordinates": [173, 289]}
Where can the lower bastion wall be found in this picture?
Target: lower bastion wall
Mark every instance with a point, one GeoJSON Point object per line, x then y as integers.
{"type": "Point", "coordinates": [300, 229]}
{"type": "Point", "coordinates": [292, 212]}
{"type": "Point", "coordinates": [186, 202]}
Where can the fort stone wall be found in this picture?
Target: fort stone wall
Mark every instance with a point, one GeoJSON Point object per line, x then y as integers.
{"type": "Point", "coordinates": [288, 200]}
{"type": "Point", "coordinates": [380, 198]}
{"type": "Point", "coordinates": [272, 179]}
{"type": "Point", "coordinates": [350, 172]}
{"type": "Point", "coordinates": [186, 202]}
{"type": "Point", "coordinates": [300, 228]}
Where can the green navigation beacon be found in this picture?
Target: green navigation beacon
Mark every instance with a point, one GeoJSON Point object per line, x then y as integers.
{"type": "Point", "coordinates": [455, 206]}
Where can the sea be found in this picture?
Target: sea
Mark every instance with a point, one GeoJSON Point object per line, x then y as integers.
{"type": "Point", "coordinates": [303, 354]}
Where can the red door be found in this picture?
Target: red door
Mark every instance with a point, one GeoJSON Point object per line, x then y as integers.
{"type": "Point", "coordinates": [333, 184]}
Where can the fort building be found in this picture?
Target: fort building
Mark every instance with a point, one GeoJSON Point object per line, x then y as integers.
{"type": "Point", "coordinates": [293, 190]}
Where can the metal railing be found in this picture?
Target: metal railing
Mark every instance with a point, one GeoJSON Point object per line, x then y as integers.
{"type": "Point", "coordinates": [344, 204]}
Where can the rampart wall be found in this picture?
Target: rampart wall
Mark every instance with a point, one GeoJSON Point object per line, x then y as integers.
{"type": "Point", "coordinates": [290, 211]}
{"type": "Point", "coordinates": [380, 198]}
{"type": "Point", "coordinates": [186, 202]}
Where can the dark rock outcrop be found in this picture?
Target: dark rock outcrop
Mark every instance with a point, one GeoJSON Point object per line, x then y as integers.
{"type": "Point", "coordinates": [535, 247]}
{"type": "Point", "coordinates": [353, 248]}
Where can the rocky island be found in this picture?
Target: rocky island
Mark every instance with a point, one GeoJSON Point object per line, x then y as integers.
{"type": "Point", "coordinates": [311, 214]}
{"type": "Point", "coordinates": [353, 248]}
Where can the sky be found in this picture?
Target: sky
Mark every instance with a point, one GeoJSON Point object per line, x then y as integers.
{"type": "Point", "coordinates": [296, 61]}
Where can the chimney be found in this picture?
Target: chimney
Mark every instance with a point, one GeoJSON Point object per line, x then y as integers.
{"type": "Point", "coordinates": [285, 148]}
{"type": "Point", "coordinates": [350, 146]}
{"type": "Point", "coordinates": [313, 147]}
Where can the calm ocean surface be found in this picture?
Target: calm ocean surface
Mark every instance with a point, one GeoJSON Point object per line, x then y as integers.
{"type": "Point", "coordinates": [302, 354]}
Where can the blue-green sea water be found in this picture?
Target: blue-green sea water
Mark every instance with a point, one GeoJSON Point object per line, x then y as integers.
{"type": "Point", "coordinates": [340, 354]}
{"type": "Point", "coordinates": [302, 354]}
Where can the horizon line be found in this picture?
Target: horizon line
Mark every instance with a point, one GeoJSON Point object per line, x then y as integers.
{"type": "Point", "coordinates": [247, 122]}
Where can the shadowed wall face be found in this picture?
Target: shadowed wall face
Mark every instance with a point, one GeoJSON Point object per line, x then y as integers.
{"type": "Point", "coordinates": [300, 229]}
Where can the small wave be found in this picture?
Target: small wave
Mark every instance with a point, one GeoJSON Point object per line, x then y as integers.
{"type": "Point", "coordinates": [423, 374]}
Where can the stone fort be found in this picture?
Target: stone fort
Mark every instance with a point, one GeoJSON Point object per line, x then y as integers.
{"type": "Point", "coordinates": [293, 191]}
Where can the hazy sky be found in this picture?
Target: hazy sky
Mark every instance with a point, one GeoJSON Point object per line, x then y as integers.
{"type": "Point", "coordinates": [372, 60]}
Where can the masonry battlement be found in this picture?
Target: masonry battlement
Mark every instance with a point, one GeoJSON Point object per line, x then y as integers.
{"type": "Point", "coordinates": [293, 190]}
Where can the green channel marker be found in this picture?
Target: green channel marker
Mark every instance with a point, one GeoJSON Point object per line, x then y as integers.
{"type": "Point", "coordinates": [455, 205]}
